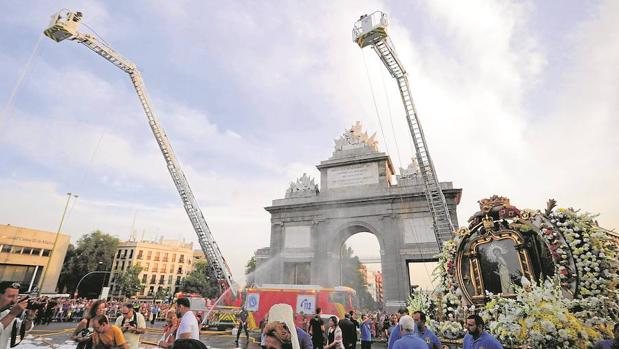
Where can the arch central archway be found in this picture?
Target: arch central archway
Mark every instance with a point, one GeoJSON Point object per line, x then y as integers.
{"type": "Point", "coordinates": [360, 268]}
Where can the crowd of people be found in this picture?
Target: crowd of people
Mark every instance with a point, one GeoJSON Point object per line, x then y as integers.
{"type": "Point", "coordinates": [112, 324]}
{"type": "Point", "coordinates": [96, 330]}
{"type": "Point", "coordinates": [73, 310]}
{"type": "Point", "coordinates": [402, 331]}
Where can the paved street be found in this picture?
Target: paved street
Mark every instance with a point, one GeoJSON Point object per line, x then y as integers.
{"type": "Point", "coordinates": [56, 335]}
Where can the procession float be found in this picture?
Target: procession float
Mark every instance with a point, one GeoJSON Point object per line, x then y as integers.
{"type": "Point", "coordinates": [539, 278]}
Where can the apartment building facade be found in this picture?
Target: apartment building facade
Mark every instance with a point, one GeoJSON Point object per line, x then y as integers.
{"type": "Point", "coordinates": [164, 264]}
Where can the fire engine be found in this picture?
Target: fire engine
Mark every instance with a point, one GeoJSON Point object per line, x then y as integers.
{"type": "Point", "coordinates": [304, 299]}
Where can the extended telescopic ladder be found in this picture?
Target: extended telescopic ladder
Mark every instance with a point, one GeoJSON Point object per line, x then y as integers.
{"type": "Point", "coordinates": [372, 30]}
{"type": "Point", "coordinates": [64, 26]}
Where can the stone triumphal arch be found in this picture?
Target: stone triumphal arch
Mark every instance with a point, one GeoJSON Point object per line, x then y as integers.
{"type": "Point", "coordinates": [357, 193]}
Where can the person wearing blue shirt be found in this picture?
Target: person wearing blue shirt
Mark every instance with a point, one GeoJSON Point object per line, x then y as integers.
{"type": "Point", "coordinates": [424, 332]}
{"type": "Point", "coordinates": [610, 343]}
{"type": "Point", "coordinates": [409, 340]}
{"type": "Point", "coordinates": [395, 333]}
{"type": "Point", "coordinates": [305, 340]}
{"type": "Point", "coordinates": [366, 332]}
{"type": "Point", "coordinates": [477, 338]}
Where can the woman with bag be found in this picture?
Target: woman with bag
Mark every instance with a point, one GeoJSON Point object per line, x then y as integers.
{"type": "Point", "coordinates": [83, 332]}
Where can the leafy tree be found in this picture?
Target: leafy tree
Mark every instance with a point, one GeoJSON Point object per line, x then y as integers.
{"type": "Point", "coordinates": [354, 278]}
{"type": "Point", "coordinates": [250, 268]}
{"type": "Point", "coordinates": [201, 280]}
{"type": "Point", "coordinates": [93, 252]}
{"type": "Point", "coordinates": [162, 292]}
{"type": "Point", "coordinates": [129, 281]}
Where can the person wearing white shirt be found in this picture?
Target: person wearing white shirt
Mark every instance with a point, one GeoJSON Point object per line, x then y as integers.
{"type": "Point", "coordinates": [132, 324]}
{"type": "Point", "coordinates": [188, 327]}
{"type": "Point", "coordinates": [12, 308]}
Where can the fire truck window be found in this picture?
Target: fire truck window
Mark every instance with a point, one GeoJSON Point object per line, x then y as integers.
{"type": "Point", "coordinates": [337, 297]}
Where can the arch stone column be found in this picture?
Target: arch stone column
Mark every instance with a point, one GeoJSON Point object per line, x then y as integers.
{"type": "Point", "coordinates": [357, 193]}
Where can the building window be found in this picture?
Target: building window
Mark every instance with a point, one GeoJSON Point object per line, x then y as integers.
{"type": "Point", "coordinates": [124, 254]}
{"type": "Point", "coordinates": [46, 253]}
{"type": "Point", "coordinates": [165, 257]}
{"type": "Point", "coordinates": [118, 254]}
{"type": "Point", "coordinates": [36, 251]}
{"type": "Point", "coordinates": [178, 280]}
{"type": "Point", "coordinates": [153, 279]}
{"type": "Point", "coordinates": [170, 278]}
{"type": "Point", "coordinates": [157, 256]}
{"type": "Point", "coordinates": [149, 254]}
{"type": "Point", "coordinates": [122, 266]}
{"type": "Point", "coordinates": [173, 257]}
{"type": "Point", "coordinates": [151, 290]}
{"type": "Point", "coordinates": [164, 268]}
{"type": "Point", "coordinates": [116, 266]}
{"type": "Point", "coordinates": [144, 277]}
{"type": "Point", "coordinates": [6, 248]}
{"type": "Point", "coordinates": [22, 274]}
{"type": "Point", "coordinates": [130, 254]}
{"type": "Point", "coordinates": [182, 259]}
{"type": "Point", "coordinates": [161, 279]}
{"type": "Point", "coordinates": [140, 254]}
{"type": "Point", "coordinates": [17, 249]}
{"type": "Point", "coordinates": [138, 264]}
{"type": "Point", "coordinates": [26, 250]}
{"type": "Point", "coordinates": [180, 270]}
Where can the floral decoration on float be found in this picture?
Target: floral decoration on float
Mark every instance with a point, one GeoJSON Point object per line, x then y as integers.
{"type": "Point", "coordinates": [540, 279]}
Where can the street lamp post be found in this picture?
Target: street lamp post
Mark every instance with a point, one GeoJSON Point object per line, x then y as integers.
{"type": "Point", "coordinates": [51, 253]}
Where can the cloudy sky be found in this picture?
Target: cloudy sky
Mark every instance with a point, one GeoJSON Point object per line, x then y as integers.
{"type": "Point", "coordinates": [516, 98]}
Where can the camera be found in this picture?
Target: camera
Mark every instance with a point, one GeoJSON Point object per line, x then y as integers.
{"type": "Point", "coordinates": [86, 332]}
{"type": "Point", "coordinates": [34, 305]}
{"type": "Point", "coordinates": [131, 323]}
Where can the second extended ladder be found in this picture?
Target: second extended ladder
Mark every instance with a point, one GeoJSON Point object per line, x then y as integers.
{"type": "Point", "coordinates": [371, 30]}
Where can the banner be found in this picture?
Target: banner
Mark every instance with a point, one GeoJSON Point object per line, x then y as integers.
{"type": "Point", "coordinates": [252, 302]}
{"type": "Point", "coordinates": [306, 304]}
{"type": "Point", "coordinates": [104, 293]}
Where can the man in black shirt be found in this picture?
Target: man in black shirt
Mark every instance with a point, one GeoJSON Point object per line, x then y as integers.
{"type": "Point", "coordinates": [356, 323]}
{"type": "Point", "coordinates": [349, 332]}
{"type": "Point", "coordinates": [317, 330]}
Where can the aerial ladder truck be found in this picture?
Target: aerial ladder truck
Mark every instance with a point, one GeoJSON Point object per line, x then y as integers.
{"type": "Point", "coordinates": [371, 30]}
{"type": "Point", "coordinates": [64, 25]}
